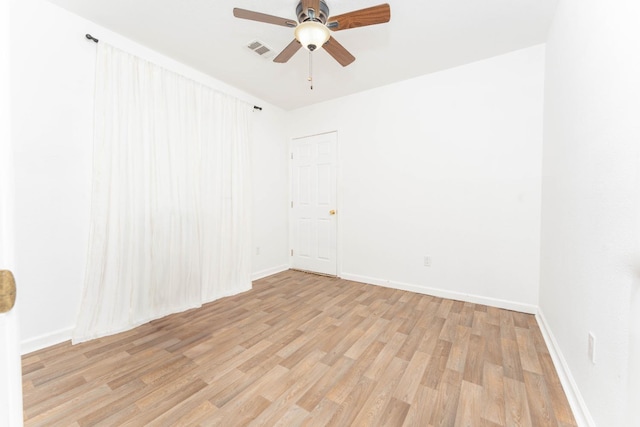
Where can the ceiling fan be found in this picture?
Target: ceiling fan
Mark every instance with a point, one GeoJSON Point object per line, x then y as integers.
{"type": "Point", "coordinates": [314, 23]}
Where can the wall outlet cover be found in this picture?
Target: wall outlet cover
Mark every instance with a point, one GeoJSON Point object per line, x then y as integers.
{"type": "Point", "coordinates": [592, 348]}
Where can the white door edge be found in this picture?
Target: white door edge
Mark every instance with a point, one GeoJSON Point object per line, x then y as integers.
{"type": "Point", "coordinates": [10, 362]}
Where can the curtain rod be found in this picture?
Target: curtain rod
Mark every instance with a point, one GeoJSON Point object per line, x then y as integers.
{"type": "Point", "coordinates": [93, 39]}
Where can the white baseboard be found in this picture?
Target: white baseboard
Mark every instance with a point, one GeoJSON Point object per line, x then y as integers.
{"type": "Point", "coordinates": [38, 343]}
{"type": "Point", "coordinates": [576, 401]}
{"type": "Point", "coordinates": [269, 272]}
{"type": "Point", "coordinates": [442, 293]}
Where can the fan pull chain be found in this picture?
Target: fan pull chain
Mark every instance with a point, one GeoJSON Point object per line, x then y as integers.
{"type": "Point", "coordinates": [310, 78]}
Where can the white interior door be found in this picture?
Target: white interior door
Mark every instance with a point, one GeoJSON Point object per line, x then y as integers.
{"type": "Point", "coordinates": [313, 206]}
{"type": "Point", "coordinates": [10, 371]}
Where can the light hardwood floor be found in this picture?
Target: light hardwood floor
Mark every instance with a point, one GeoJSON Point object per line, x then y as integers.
{"type": "Point", "coordinates": [301, 349]}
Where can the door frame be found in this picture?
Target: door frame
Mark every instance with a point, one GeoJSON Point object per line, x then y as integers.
{"type": "Point", "coordinates": [338, 178]}
{"type": "Point", "coordinates": [10, 362]}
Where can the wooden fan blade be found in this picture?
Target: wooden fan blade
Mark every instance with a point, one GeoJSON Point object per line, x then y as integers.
{"type": "Point", "coordinates": [338, 52]}
{"type": "Point", "coordinates": [263, 17]}
{"type": "Point", "coordinates": [361, 18]}
{"type": "Point", "coordinates": [288, 52]}
{"type": "Point", "coordinates": [313, 4]}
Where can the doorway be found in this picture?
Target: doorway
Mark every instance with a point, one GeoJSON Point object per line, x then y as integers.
{"type": "Point", "coordinates": [314, 213]}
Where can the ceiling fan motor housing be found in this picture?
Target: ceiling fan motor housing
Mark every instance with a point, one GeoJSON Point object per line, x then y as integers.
{"type": "Point", "coordinates": [320, 15]}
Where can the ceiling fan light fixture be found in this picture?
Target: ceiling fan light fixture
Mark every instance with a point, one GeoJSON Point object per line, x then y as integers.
{"type": "Point", "coordinates": [312, 35]}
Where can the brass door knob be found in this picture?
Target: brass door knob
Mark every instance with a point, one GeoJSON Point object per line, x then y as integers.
{"type": "Point", "coordinates": [7, 291]}
{"type": "Point", "coordinates": [332, 212]}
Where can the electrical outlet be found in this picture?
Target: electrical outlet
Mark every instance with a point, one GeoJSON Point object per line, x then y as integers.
{"type": "Point", "coordinates": [427, 261]}
{"type": "Point", "coordinates": [592, 348]}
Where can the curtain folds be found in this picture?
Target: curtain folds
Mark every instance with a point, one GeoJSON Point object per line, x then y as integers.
{"type": "Point", "coordinates": [170, 214]}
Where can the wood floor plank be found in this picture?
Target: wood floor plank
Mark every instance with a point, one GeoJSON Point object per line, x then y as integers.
{"type": "Point", "coordinates": [297, 382]}
{"type": "Point", "coordinates": [558, 399]}
{"type": "Point", "coordinates": [493, 350]}
{"type": "Point", "coordinates": [474, 365]}
{"type": "Point", "coordinates": [293, 416]}
{"type": "Point", "coordinates": [59, 412]}
{"type": "Point", "coordinates": [342, 389]}
{"type": "Point", "coordinates": [493, 400]}
{"type": "Point", "coordinates": [511, 359]}
{"type": "Point", "coordinates": [321, 414]}
{"type": "Point", "coordinates": [352, 402]}
{"type": "Point", "coordinates": [164, 400]}
{"type": "Point", "coordinates": [469, 405]}
{"type": "Point", "coordinates": [528, 353]}
{"type": "Point", "coordinates": [542, 413]}
{"type": "Point", "coordinates": [244, 381]}
{"type": "Point", "coordinates": [116, 404]}
{"type": "Point", "coordinates": [458, 355]}
{"type": "Point", "coordinates": [507, 326]}
{"type": "Point", "coordinates": [394, 414]}
{"type": "Point", "coordinates": [204, 411]}
{"type": "Point", "coordinates": [381, 363]}
{"type": "Point", "coordinates": [214, 373]}
{"type": "Point", "coordinates": [373, 408]}
{"type": "Point", "coordinates": [516, 403]}
{"type": "Point", "coordinates": [433, 328]}
{"type": "Point", "coordinates": [295, 375]}
{"type": "Point", "coordinates": [390, 330]}
{"type": "Point", "coordinates": [447, 399]}
{"type": "Point", "coordinates": [410, 345]}
{"type": "Point", "coordinates": [344, 343]}
{"type": "Point", "coordinates": [317, 392]}
{"type": "Point", "coordinates": [305, 350]}
{"type": "Point", "coordinates": [366, 339]}
{"type": "Point", "coordinates": [410, 381]}
{"type": "Point", "coordinates": [420, 415]}
{"type": "Point", "coordinates": [437, 365]}
{"type": "Point", "coordinates": [246, 406]}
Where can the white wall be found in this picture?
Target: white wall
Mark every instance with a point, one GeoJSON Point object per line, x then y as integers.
{"type": "Point", "coordinates": [445, 165]}
{"type": "Point", "coordinates": [270, 189]}
{"type": "Point", "coordinates": [52, 113]}
{"type": "Point", "coordinates": [52, 103]}
{"type": "Point", "coordinates": [590, 265]}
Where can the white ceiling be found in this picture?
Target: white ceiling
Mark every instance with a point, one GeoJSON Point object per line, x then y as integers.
{"type": "Point", "coordinates": [423, 36]}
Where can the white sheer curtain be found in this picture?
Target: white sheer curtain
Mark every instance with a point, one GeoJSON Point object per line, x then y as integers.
{"type": "Point", "coordinates": [170, 215]}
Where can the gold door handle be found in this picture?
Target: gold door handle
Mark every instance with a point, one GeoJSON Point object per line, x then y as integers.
{"type": "Point", "coordinates": [7, 291]}
{"type": "Point", "coordinates": [332, 212]}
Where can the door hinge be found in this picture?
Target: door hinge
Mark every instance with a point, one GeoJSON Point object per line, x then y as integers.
{"type": "Point", "coordinates": [291, 156]}
{"type": "Point", "coordinates": [292, 204]}
{"type": "Point", "coordinates": [291, 252]}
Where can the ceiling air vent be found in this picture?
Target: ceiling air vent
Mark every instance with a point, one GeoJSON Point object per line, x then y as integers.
{"type": "Point", "coordinates": [261, 49]}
